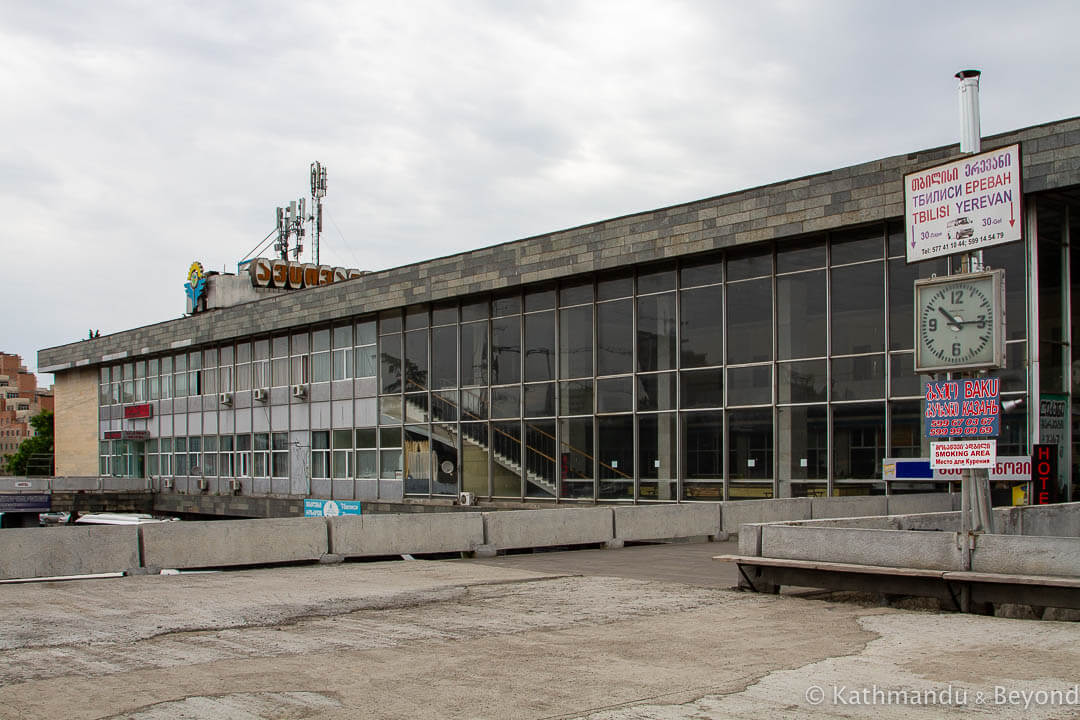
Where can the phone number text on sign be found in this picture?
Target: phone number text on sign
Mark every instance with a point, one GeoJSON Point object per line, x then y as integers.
{"type": "Point", "coordinates": [962, 408]}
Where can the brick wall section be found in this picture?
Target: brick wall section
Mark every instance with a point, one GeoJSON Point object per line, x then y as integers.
{"type": "Point", "coordinates": [863, 193]}
{"type": "Point", "coordinates": [76, 422]}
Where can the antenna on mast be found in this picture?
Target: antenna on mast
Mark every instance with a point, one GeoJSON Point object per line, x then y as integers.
{"type": "Point", "coordinates": [318, 192]}
{"type": "Point", "coordinates": [290, 222]}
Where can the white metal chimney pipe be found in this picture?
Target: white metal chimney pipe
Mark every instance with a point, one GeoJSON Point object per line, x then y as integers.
{"type": "Point", "coordinates": [970, 126]}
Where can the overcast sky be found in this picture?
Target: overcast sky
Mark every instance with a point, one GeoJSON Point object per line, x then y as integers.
{"type": "Point", "coordinates": [141, 136]}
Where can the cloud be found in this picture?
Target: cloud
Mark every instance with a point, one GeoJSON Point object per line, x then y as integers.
{"type": "Point", "coordinates": [148, 135]}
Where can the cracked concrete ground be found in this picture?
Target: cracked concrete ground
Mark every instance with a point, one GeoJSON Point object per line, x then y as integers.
{"type": "Point", "coordinates": [612, 635]}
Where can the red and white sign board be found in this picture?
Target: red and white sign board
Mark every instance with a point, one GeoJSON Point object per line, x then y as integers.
{"type": "Point", "coordinates": [963, 454]}
{"type": "Point", "coordinates": [963, 206]}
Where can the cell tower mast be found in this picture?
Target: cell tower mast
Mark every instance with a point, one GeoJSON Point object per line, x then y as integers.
{"type": "Point", "coordinates": [318, 192]}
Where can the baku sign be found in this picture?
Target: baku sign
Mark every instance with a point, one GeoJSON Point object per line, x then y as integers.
{"type": "Point", "coordinates": [963, 206]}
{"type": "Point", "coordinates": [962, 408]}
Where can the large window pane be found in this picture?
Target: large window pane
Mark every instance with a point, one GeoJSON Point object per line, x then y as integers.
{"type": "Point", "coordinates": [657, 392]}
{"type": "Point", "coordinates": [858, 378]}
{"type": "Point", "coordinates": [417, 460]}
{"type": "Point", "coordinates": [803, 256]}
{"type": "Point", "coordinates": [750, 385]}
{"type": "Point", "coordinates": [803, 443]}
{"type": "Point", "coordinates": [657, 456]}
{"type": "Point", "coordinates": [616, 456]}
{"type": "Point", "coordinates": [902, 278]}
{"type": "Point", "coordinates": [750, 444]}
{"type": "Point", "coordinates": [703, 435]}
{"type": "Point", "coordinates": [615, 395]}
{"type": "Point", "coordinates": [506, 402]}
{"type": "Point", "coordinates": [575, 342]}
{"type": "Point", "coordinates": [858, 309]}
{"type": "Point", "coordinates": [576, 457]}
{"type": "Point", "coordinates": [474, 464]}
{"type": "Point", "coordinates": [702, 388]}
{"type": "Point", "coordinates": [474, 342]}
{"type": "Point", "coordinates": [749, 316]}
{"type": "Point", "coordinates": [801, 315]}
{"type": "Point", "coordinates": [906, 428]}
{"type": "Point", "coordinates": [576, 397]}
{"type": "Point", "coordinates": [540, 458]}
{"type": "Point", "coordinates": [416, 361]}
{"type": "Point", "coordinates": [614, 337]}
{"type": "Point", "coordinates": [390, 363]}
{"type": "Point", "coordinates": [801, 382]}
{"type": "Point", "coordinates": [701, 327]}
{"type": "Point", "coordinates": [858, 441]}
{"type": "Point", "coordinates": [540, 400]}
{"type": "Point", "coordinates": [505, 350]}
{"type": "Point", "coordinates": [539, 347]}
{"type": "Point", "coordinates": [857, 245]}
{"type": "Point", "coordinates": [444, 357]}
{"type": "Point", "coordinates": [506, 453]}
{"type": "Point", "coordinates": [656, 332]}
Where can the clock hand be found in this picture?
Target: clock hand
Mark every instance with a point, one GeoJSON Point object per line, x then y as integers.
{"type": "Point", "coordinates": [954, 321]}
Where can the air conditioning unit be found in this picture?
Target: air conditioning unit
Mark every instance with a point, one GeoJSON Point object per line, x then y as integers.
{"type": "Point", "coordinates": [203, 483]}
{"type": "Point", "coordinates": [259, 394]}
{"type": "Point", "coordinates": [166, 484]}
{"type": "Point", "coordinates": [299, 391]}
{"type": "Point", "coordinates": [234, 486]}
{"type": "Point", "coordinates": [466, 498]}
{"type": "Point", "coordinates": [225, 398]}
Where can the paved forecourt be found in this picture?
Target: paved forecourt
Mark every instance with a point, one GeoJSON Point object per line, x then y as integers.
{"type": "Point", "coordinates": [639, 632]}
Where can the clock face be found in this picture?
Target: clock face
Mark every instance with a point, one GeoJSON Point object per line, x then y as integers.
{"type": "Point", "coordinates": [957, 322]}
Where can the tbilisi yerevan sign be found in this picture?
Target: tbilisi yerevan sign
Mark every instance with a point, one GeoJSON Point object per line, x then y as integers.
{"type": "Point", "coordinates": [965, 205]}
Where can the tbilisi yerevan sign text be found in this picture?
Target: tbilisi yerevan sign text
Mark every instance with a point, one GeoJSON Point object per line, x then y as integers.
{"type": "Point", "coordinates": [271, 272]}
{"type": "Point", "coordinates": [962, 408]}
{"type": "Point", "coordinates": [965, 205]}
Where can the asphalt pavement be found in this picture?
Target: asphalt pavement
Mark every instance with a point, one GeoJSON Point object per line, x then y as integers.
{"type": "Point", "coordinates": [640, 632]}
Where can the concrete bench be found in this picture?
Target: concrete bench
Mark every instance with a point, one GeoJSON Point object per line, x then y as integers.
{"type": "Point", "coordinates": [960, 588]}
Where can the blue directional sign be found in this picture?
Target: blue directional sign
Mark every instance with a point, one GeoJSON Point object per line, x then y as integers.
{"type": "Point", "coordinates": [330, 508]}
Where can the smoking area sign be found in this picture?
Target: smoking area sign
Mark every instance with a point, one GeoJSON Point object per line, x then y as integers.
{"type": "Point", "coordinates": [963, 454]}
{"type": "Point", "coordinates": [963, 206]}
{"type": "Point", "coordinates": [962, 408]}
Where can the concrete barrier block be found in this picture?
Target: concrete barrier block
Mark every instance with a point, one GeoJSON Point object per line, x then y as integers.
{"type": "Point", "coordinates": [77, 550]}
{"type": "Point", "coordinates": [123, 484]}
{"type": "Point", "coordinates": [1023, 555]}
{"type": "Point", "coordinates": [871, 522]}
{"type": "Point", "coordinates": [23, 484]}
{"type": "Point", "coordinates": [940, 521]}
{"type": "Point", "coordinates": [233, 542]}
{"type": "Point", "coordinates": [888, 548]}
{"type": "Point", "coordinates": [750, 539]}
{"type": "Point", "coordinates": [1062, 520]}
{"type": "Point", "coordinates": [543, 528]}
{"type": "Point", "coordinates": [660, 522]}
{"type": "Point", "coordinates": [919, 503]}
{"type": "Point", "coordinates": [737, 512]}
{"type": "Point", "coordinates": [848, 507]}
{"type": "Point", "coordinates": [75, 483]}
{"type": "Point", "coordinates": [406, 533]}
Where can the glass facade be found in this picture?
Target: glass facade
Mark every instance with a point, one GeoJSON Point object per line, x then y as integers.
{"type": "Point", "coordinates": [779, 370]}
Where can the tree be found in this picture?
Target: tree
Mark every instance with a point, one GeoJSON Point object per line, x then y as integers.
{"type": "Point", "coordinates": [40, 443]}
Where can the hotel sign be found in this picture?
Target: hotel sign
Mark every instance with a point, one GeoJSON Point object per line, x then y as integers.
{"type": "Point", "coordinates": [963, 206]}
